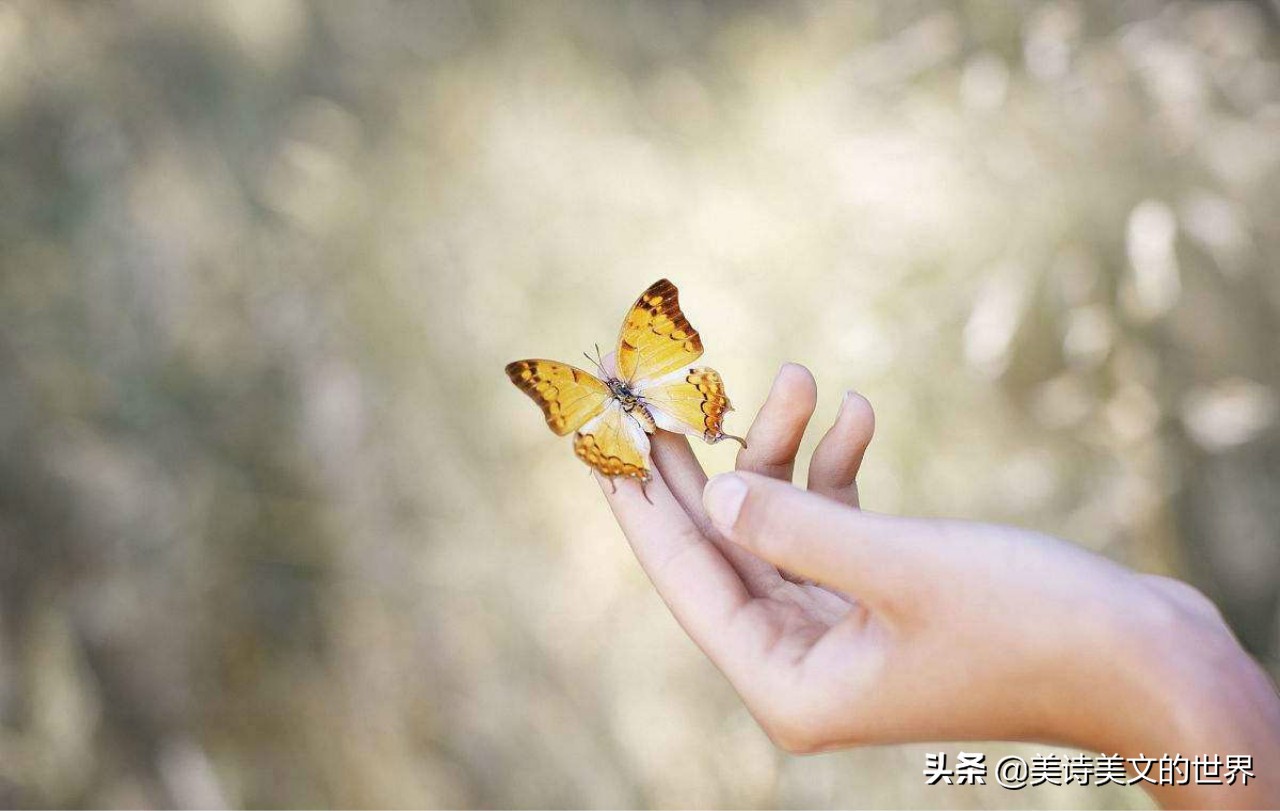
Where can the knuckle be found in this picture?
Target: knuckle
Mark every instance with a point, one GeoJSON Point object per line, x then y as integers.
{"type": "Point", "coordinates": [766, 457]}
{"type": "Point", "coordinates": [772, 469]}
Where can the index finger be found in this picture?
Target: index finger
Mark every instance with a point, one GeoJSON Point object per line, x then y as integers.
{"type": "Point", "coordinates": [694, 579]}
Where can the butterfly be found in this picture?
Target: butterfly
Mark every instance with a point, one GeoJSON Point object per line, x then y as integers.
{"type": "Point", "coordinates": [651, 384]}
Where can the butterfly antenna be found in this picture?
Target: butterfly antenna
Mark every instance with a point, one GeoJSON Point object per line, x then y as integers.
{"type": "Point", "coordinates": [599, 365]}
{"type": "Point", "coordinates": [645, 492]}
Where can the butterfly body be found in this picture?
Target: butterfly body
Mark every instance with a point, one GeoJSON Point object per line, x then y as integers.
{"type": "Point", "coordinates": [652, 384]}
{"type": "Point", "coordinates": [632, 404]}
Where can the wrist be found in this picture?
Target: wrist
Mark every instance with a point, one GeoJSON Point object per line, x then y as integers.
{"type": "Point", "coordinates": [1184, 686]}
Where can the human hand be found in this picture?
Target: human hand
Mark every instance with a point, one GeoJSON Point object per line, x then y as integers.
{"type": "Point", "coordinates": [840, 627]}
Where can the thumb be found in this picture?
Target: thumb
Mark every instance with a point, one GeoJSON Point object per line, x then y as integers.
{"type": "Point", "coordinates": [877, 557]}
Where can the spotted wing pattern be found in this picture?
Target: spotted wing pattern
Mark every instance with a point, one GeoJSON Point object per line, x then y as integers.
{"type": "Point", "coordinates": [688, 401]}
{"type": "Point", "coordinates": [614, 444]}
{"type": "Point", "coordinates": [568, 397]}
{"type": "Point", "coordinates": [656, 338]}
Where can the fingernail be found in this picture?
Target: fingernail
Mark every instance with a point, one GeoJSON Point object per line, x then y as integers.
{"type": "Point", "coordinates": [849, 397]}
{"type": "Point", "coordinates": [788, 365]}
{"type": "Point", "coordinates": [723, 499]}
{"type": "Point", "coordinates": [777, 377]}
{"type": "Point", "coordinates": [844, 404]}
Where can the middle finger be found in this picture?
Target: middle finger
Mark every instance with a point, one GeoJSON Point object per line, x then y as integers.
{"type": "Point", "coordinates": [775, 435]}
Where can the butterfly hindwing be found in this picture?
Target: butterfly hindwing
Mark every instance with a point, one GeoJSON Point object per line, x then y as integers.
{"type": "Point", "coordinates": [656, 386]}
{"type": "Point", "coordinates": [656, 338]}
{"type": "Point", "coordinates": [689, 400]}
{"type": "Point", "coordinates": [614, 444]}
{"type": "Point", "coordinates": [569, 397]}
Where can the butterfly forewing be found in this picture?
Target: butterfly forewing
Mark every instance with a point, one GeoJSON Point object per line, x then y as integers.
{"type": "Point", "coordinates": [656, 338]}
{"type": "Point", "coordinates": [656, 378]}
{"type": "Point", "coordinates": [567, 396]}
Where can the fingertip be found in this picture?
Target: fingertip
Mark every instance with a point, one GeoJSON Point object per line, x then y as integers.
{"type": "Point", "coordinates": [836, 461]}
{"type": "Point", "coordinates": [791, 367]}
{"type": "Point", "coordinates": [795, 382]}
{"type": "Point", "coordinates": [856, 410]}
{"type": "Point", "coordinates": [855, 402]}
{"type": "Point", "coordinates": [723, 497]}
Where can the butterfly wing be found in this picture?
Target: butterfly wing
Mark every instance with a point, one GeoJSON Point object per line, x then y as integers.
{"type": "Point", "coordinates": [656, 338]}
{"type": "Point", "coordinates": [614, 444]}
{"type": "Point", "coordinates": [568, 397]}
{"type": "Point", "coordinates": [688, 401]}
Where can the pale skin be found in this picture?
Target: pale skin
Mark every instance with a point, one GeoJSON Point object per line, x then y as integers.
{"type": "Point", "coordinates": [841, 627]}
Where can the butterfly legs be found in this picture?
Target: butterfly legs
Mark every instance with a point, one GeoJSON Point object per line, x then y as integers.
{"type": "Point", "coordinates": [613, 484]}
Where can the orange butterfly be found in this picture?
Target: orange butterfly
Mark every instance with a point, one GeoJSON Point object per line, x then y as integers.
{"type": "Point", "coordinates": [654, 386]}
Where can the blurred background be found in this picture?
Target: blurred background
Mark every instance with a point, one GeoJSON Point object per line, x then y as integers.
{"type": "Point", "coordinates": [275, 530]}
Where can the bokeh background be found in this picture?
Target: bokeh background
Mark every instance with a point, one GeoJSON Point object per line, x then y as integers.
{"type": "Point", "coordinates": [275, 530]}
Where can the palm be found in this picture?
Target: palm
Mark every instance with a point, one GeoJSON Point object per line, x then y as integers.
{"type": "Point", "coordinates": [941, 609]}
{"type": "Point", "coordinates": [805, 609]}
{"type": "Point", "coordinates": [777, 622]}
